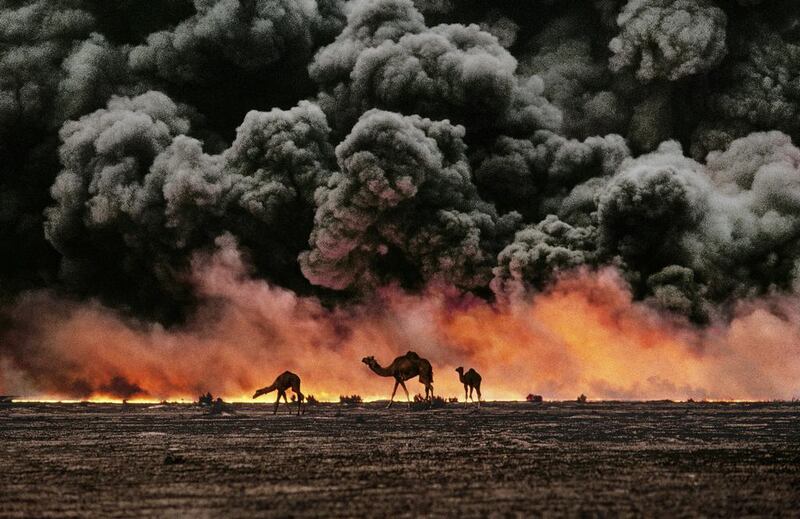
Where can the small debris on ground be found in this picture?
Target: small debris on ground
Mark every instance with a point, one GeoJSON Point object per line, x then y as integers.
{"type": "Point", "coordinates": [174, 459]}
{"type": "Point", "coordinates": [221, 408]}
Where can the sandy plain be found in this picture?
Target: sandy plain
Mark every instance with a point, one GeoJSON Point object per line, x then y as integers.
{"type": "Point", "coordinates": [508, 459]}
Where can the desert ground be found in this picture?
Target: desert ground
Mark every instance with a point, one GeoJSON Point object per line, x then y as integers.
{"type": "Point", "coordinates": [507, 459]}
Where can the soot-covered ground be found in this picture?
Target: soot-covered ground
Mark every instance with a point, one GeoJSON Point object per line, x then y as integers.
{"type": "Point", "coordinates": [664, 459]}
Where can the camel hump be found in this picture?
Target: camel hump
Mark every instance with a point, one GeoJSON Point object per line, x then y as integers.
{"type": "Point", "coordinates": [289, 375]}
{"type": "Point", "coordinates": [475, 374]}
{"type": "Point", "coordinates": [412, 355]}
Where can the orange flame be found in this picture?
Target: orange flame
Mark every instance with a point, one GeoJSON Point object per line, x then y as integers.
{"type": "Point", "coordinates": [585, 335]}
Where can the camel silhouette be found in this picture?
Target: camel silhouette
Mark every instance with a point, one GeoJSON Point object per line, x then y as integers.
{"type": "Point", "coordinates": [405, 368]}
{"type": "Point", "coordinates": [285, 380]}
{"type": "Point", "coordinates": [472, 380]}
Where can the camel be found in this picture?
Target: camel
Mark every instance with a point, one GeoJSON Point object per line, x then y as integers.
{"type": "Point", "coordinates": [285, 380]}
{"type": "Point", "coordinates": [405, 368]}
{"type": "Point", "coordinates": [472, 380]}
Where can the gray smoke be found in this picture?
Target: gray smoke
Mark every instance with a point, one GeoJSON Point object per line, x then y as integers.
{"type": "Point", "coordinates": [403, 189]}
{"type": "Point", "coordinates": [38, 37]}
{"type": "Point", "coordinates": [540, 252]}
{"type": "Point", "coordinates": [347, 145]}
{"type": "Point", "coordinates": [668, 39]}
{"type": "Point", "coordinates": [131, 171]}
{"type": "Point", "coordinates": [760, 90]}
{"type": "Point", "coordinates": [732, 222]}
{"type": "Point", "coordinates": [387, 58]}
{"type": "Point", "coordinates": [250, 35]}
{"type": "Point", "coordinates": [563, 54]}
{"type": "Point", "coordinates": [533, 176]}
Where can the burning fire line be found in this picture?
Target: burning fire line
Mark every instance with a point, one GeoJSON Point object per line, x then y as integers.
{"type": "Point", "coordinates": [584, 335]}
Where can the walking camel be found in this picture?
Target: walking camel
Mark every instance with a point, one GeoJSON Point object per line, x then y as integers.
{"type": "Point", "coordinates": [404, 368]}
{"type": "Point", "coordinates": [472, 380]}
{"type": "Point", "coordinates": [285, 380]}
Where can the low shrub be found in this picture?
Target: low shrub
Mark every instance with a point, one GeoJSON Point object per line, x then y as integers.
{"type": "Point", "coordinates": [350, 400]}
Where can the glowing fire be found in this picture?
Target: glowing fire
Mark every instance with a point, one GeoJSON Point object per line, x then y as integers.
{"type": "Point", "coordinates": [585, 335]}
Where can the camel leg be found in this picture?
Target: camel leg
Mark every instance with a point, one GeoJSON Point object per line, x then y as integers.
{"type": "Point", "coordinates": [300, 398]}
{"type": "Point", "coordinates": [278, 401]}
{"type": "Point", "coordinates": [402, 383]}
{"type": "Point", "coordinates": [466, 398]}
{"type": "Point", "coordinates": [391, 399]}
{"type": "Point", "coordinates": [478, 389]}
{"type": "Point", "coordinates": [470, 394]}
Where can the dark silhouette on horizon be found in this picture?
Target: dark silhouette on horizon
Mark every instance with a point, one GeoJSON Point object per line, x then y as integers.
{"type": "Point", "coordinates": [285, 380]}
{"type": "Point", "coordinates": [404, 368]}
{"type": "Point", "coordinates": [472, 380]}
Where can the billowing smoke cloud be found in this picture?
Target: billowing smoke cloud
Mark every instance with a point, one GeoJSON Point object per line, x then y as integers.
{"type": "Point", "coordinates": [387, 58]}
{"type": "Point", "coordinates": [732, 222]}
{"type": "Point", "coordinates": [533, 176]}
{"type": "Point", "coordinates": [759, 91]}
{"type": "Point", "coordinates": [541, 251]}
{"type": "Point", "coordinates": [685, 234]}
{"type": "Point", "coordinates": [504, 29]}
{"type": "Point", "coordinates": [564, 55]}
{"type": "Point", "coordinates": [404, 193]}
{"type": "Point", "coordinates": [668, 39]}
{"type": "Point", "coordinates": [133, 175]}
{"type": "Point", "coordinates": [41, 36]}
{"type": "Point", "coordinates": [52, 67]}
{"type": "Point", "coordinates": [105, 154]}
{"type": "Point", "coordinates": [250, 35]}
{"type": "Point", "coordinates": [353, 149]}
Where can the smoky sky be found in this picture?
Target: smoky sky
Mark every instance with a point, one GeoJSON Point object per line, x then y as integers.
{"type": "Point", "coordinates": [350, 145]}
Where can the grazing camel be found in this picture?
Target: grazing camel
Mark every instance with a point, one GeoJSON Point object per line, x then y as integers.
{"type": "Point", "coordinates": [472, 380]}
{"type": "Point", "coordinates": [285, 380]}
{"type": "Point", "coordinates": [405, 368]}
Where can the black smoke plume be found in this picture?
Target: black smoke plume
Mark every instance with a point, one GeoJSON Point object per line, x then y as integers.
{"type": "Point", "coordinates": [348, 145]}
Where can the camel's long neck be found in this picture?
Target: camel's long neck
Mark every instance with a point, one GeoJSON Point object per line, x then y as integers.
{"type": "Point", "coordinates": [265, 390]}
{"type": "Point", "coordinates": [380, 370]}
{"type": "Point", "coordinates": [461, 378]}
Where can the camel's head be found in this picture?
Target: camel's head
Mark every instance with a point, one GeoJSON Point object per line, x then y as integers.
{"type": "Point", "coordinates": [369, 361]}
{"type": "Point", "coordinates": [460, 370]}
{"type": "Point", "coordinates": [257, 394]}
